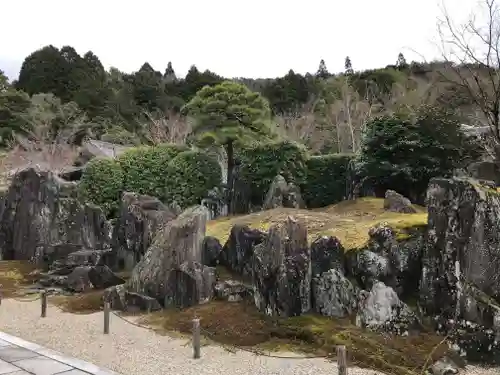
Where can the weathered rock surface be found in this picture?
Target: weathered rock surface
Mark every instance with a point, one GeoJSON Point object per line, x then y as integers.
{"type": "Point", "coordinates": [283, 194]}
{"type": "Point", "coordinates": [326, 253]}
{"type": "Point", "coordinates": [189, 284]}
{"type": "Point", "coordinates": [239, 248]}
{"type": "Point", "coordinates": [334, 295]}
{"type": "Point", "coordinates": [35, 216]}
{"type": "Point", "coordinates": [82, 278]}
{"type": "Point", "coordinates": [121, 299]}
{"type": "Point", "coordinates": [141, 216]}
{"type": "Point", "coordinates": [232, 290]}
{"type": "Point", "coordinates": [461, 262]}
{"type": "Point", "coordinates": [282, 270]}
{"type": "Point", "coordinates": [395, 202]}
{"type": "Point", "coordinates": [180, 241]}
{"type": "Point", "coordinates": [211, 252]}
{"type": "Point", "coordinates": [382, 310]}
{"type": "Point", "coordinates": [485, 171]}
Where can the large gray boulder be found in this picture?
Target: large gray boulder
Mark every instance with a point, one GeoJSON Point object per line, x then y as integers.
{"type": "Point", "coordinates": [180, 241]}
{"type": "Point", "coordinates": [382, 310]}
{"type": "Point", "coordinates": [38, 213]}
{"type": "Point", "coordinates": [396, 202]}
{"type": "Point", "coordinates": [283, 194]}
{"type": "Point", "coordinates": [282, 270]}
{"type": "Point", "coordinates": [334, 295]}
{"type": "Point", "coordinates": [141, 216]}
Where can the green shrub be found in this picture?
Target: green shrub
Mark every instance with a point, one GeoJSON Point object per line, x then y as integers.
{"type": "Point", "coordinates": [145, 168]}
{"type": "Point", "coordinates": [191, 174]}
{"type": "Point", "coordinates": [261, 163]}
{"type": "Point", "coordinates": [327, 177]}
{"type": "Point", "coordinates": [102, 184]}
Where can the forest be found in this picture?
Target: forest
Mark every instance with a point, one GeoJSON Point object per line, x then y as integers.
{"type": "Point", "coordinates": [61, 96]}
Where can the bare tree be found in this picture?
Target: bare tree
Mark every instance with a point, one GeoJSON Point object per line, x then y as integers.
{"type": "Point", "coordinates": [472, 53]}
{"type": "Point", "coordinates": [166, 128]}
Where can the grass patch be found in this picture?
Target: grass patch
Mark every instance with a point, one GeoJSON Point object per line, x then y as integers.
{"type": "Point", "coordinates": [240, 324]}
{"type": "Point", "coordinates": [15, 274]}
{"type": "Point", "coordinates": [348, 220]}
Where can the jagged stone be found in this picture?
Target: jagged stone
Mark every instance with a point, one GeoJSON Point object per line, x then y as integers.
{"type": "Point", "coordinates": [238, 250]}
{"type": "Point", "coordinates": [283, 194]}
{"type": "Point", "coordinates": [141, 216]}
{"type": "Point", "coordinates": [326, 253]}
{"type": "Point", "coordinates": [34, 218]}
{"type": "Point", "coordinates": [180, 241]}
{"type": "Point", "coordinates": [382, 310]}
{"type": "Point", "coordinates": [282, 270]}
{"type": "Point", "coordinates": [395, 202]}
{"type": "Point", "coordinates": [189, 284]}
{"type": "Point", "coordinates": [333, 294]}
{"type": "Point", "coordinates": [211, 251]}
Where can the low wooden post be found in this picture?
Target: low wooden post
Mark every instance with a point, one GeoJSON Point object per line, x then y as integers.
{"type": "Point", "coordinates": [196, 338]}
{"type": "Point", "coordinates": [44, 303]}
{"type": "Point", "coordinates": [342, 359]}
{"type": "Point", "coordinates": [106, 317]}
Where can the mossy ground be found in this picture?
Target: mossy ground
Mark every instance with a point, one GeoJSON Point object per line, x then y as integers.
{"type": "Point", "coordinates": [349, 221]}
{"type": "Point", "coordinates": [14, 275]}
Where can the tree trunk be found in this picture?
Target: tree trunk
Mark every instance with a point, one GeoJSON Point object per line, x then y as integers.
{"type": "Point", "coordinates": [230, 172]}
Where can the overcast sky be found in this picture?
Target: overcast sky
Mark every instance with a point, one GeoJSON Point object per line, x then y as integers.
{"type": "Point", "coordinates": [256, 38]}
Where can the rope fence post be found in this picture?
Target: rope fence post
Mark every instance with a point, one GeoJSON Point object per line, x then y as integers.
{"type": "Point", "coordinates": [342, 359]}
{"type": "Point", "coordinates": [196, 338]}
{"type": "Point", "coordinates": [44, 303]}
{"type": "Point", "coordinates": [106, 317]}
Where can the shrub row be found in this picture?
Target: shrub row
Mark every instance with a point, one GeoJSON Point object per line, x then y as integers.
{"type": "Point", "coordinates": [169, 172]}
{"type": "Point", "coordinates": [174, 173]}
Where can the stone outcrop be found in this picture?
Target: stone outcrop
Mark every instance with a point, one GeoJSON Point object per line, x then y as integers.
{"type": "Point", "coordinates": [326, 253]}
{"type": "Point", "coordinates": [141, 216]}
{"type": "Point", "coordinates": [282, 270]}
{"type": "Point", "coordinates": [180, 241]}
{"type": "Point", "coordinates": [39, 213]}
{"type": "Point", "coordinates": [334, 295]}
{"type": "Point", "coordinates": [460, 282]}
{"type": "Point", "coordinates": [395, 202]}
{"type": "Point", "coordinates": [189, 284]}
{"type": "Point", "coordinates": [211, 251]}
{"type": "Point", "coordinates": [283, 194]}
{"type": "Point", "coordinates": [238, 250]}
{"type": "Point", "coordinates": [382, 310]}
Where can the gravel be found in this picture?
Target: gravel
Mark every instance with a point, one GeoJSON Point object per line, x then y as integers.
{"type": "Point", "coordinates": [131, 350]}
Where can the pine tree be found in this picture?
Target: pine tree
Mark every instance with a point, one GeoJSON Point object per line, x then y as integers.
{"type": "Point", "coordinates": [348, 66]}
{"type": "Point", "coordinates": [322, 70]}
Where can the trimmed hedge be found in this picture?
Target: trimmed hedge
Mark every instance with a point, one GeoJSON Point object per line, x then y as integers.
{"type": "Point", "coordinates": [191, 174]}
{"type": "Point", "coordinates": [102, 184]}
{"type": "Point", "coordinates": [327, 179]}
{"type": "Point", "coordinates": [261, 163]}
{"type": "Point", "coordinates": [145, 168]}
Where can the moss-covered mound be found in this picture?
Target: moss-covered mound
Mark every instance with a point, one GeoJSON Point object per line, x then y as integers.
{"type": "Point", "coordinates": [348, 220]}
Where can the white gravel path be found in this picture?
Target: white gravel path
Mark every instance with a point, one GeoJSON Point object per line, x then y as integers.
{"type": "Point", "coordinates": [132, 350]}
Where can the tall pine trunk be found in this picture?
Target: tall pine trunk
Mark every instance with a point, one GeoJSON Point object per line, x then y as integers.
{"type": "Point", "coordinates": [230, 172]}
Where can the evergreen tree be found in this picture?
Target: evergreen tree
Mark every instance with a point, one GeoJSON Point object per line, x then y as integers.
{"type": "Point", "coordinates": [229, 114]}
{"type": "Point", "coordinates": [348, 66]}
{"type": "Point", "coordinates": [401, 63]}
{"type": "Point", "coordinates": [322, 70]}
